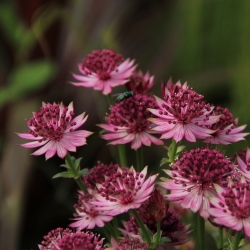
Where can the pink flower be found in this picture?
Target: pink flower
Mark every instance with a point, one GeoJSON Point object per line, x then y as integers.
{"type": "Point", "coordinates": [128, 122]}
{"type": "Point", "coordinates": [66, 239]}
{"type": "Point", "coordinates": [139, 83]}
{"type": "Point", "coordinates": [124, 190]}
{"type": "Point", "coordinates": [182, 113]}
{"type": "Point", "coordinates": [87, 215]}
{"type": "Point", "coordinates": [193, 176]}
{"type": "Point", "coordinates": [225, 130]}
{"type": "Point", "coordinates": [231, 207]}
{"type": "Point", "coordinates": [52, 129]}
{"type": "Point", "coordinates": [103, 70]}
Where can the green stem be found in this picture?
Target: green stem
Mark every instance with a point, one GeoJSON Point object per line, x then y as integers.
{"type": "Point", "coordinates": [72, 169]}
{"type": "Point", "coordinates": [199, 232]}
{"type": "Point", "coordinates": [237, 239]}
{"type": "Point", "coordinates": [110, 99]}
{"type": "Point", "coordinates": [141, 225]}
{"type": "Point", "coordinates": [158, 232]}
{"type": "Point", "coordinates": [139, 159]}
{"type": "Point", "coordinates": [122, 154]}
{"type": "Point", "coordinates": [110, 229]}
{"type": "Point", "coordinates": [221, 238]}
{"type": "Point", "coordinates": [115, 227]}
{"type": "Point", "coordinates": [173, 150]}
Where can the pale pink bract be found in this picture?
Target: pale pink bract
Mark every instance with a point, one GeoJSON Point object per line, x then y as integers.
{"type": "Point", "coordinates": [231, 207]}
{"type": "Point", "coordinates": [87, 215]}
{"type": "Point", "coordinates": [225, 129]}
{"type": "Point", "coordinates": [52, 129]}
{"type": "Point", "coordinates": [125, 190]}
{"type": "Point", "coordinates": [104, 69]}
{"type": "Point", "coordinates": [182, 113]}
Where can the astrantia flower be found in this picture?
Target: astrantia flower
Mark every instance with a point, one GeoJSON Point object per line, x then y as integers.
{"type": "Point", "coordinates": [124, 190]}
{"type": "Point", "coordinates": [97, 174]}
{"type": "Point", "coordinates": [225, 128]}
{"type": "Point", "coordinates": [87, 215]}
{"type": "Point", "coordinates": [231, 207]}
{"type": "Point", "coordinates": [139, 83]}
{"type": "Point", "coordinates": [66, 239]}
{"type": "Point", "coordinates": [52, 129]}
{"type": "Point", "coordinates": [103, 70]}
{"type": "Point", "coordinates": [128, 122]}
{"type": "Point", "coordinates": [182, 113]}
{"type": "Point", "coordinates": [193, 176]}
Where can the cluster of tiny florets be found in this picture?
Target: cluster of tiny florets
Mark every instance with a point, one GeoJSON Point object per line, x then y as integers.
{"type": "Point", "coordinates": [184, 104]}
{"type": "Point", "coordinates": [50, 122]}
{"type": "Point", "coordinates": [66, 239]}
{"type": "Point", "coordinates": [102, 62]}
{"type": "Point", "coordinates": [203, 166]}
{"type": "Point", "coordinates": [97, 174]}
{"type": "Point", "coordinates": [132, 113]}
{"type": "Point", "coordinates": [126, 192]}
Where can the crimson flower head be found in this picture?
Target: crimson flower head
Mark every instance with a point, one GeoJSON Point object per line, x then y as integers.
{"type": "Point", "coordinates": [127, 243]}
{"type": "Point", "coordinates": [231, 206]}
{"type": "Point", "coordinates": [104, 69]}
{"type": "Point", "coordinates": [193, 177]}
{"type": "Point", "coordinates": [225, 129]}
{"type": "Point", "coordinates": [124, 190]}
{"type": "Point", "coordinates": [88, 215]}
{"type": "Point", "coordinates": [182, 113]}
{"type": "Point", "coordinates": [66, 239]}
{"type": "Point", "coordinates": [128, 122]}
{"type": "Point", "coordinates": [52, 129]}
{"type": "Point", "coordinates": [139, 83]}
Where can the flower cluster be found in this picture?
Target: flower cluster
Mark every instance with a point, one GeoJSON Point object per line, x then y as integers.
{"type": "Point", "coordinates": [202, 179]}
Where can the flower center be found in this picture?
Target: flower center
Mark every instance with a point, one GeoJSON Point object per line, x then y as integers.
{"type": "Point", "coordinates": [185, 104]}
{"type": "Point", "coordinates": [50, 122]}
{"type": "Point", "coordinates": [203, 167]}
{"type": "Point", "coordinates": [121, 186]}
{"type": "Point", "coordinates": [132, 113]}
{"type": "Point", "coordinates": [101, 62]}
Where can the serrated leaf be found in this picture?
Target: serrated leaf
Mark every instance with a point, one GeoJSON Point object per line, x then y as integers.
{"type": "Point", "coordinates": [64, 166]}
{"type": "Point", "coordinates": [83, 172]}
{"type": "Point", "coordinates": [164, 161]}
{"type": "Point", "coordinates": [63, 175]}
{"type": "Point", "coordinates": [180, 148]}
{"type": "Point", "coordinates": [77, 163]}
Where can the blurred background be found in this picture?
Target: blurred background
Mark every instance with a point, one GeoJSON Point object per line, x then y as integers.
{"type": "Point", "coordinates": [204, 42]}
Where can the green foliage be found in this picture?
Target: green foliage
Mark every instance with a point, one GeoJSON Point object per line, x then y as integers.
{"type": "Point", "coordinates": [26, 78]}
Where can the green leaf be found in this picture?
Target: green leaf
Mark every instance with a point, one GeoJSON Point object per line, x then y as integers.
{"type": "Point", "coordinates": [63, 175]}
{"type": "Point", "coordinates": [26, 78]}
{"type": "Point", "coordinates": [77, 163]}
{"type": "Point", "coordinates": [164, 161]}
{"type": "Point", "coordinates": [83, 172]}
{"type": "Point", "coordinates": [180, 148]}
